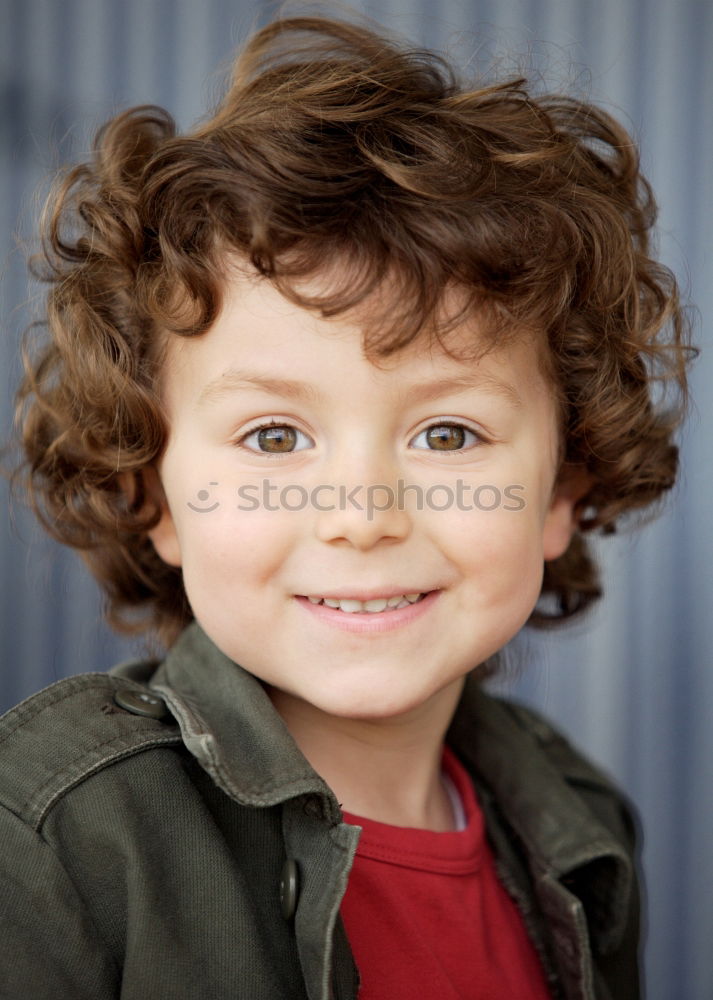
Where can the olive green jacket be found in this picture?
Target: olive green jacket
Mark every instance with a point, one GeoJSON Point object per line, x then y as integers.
{"type": "Point", "coordinates": [194, 853]}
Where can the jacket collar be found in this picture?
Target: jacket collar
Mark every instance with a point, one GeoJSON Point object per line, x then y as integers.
{"type": "Point", "coordinates": [530, 771]}
{"type": "Point", "coordinates": [228, 722]}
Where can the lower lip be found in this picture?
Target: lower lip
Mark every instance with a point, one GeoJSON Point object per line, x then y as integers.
{"type": "Point", "coordinates": [366, 623]}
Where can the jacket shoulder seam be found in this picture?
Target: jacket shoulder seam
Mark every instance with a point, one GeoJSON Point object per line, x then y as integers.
{"type": "Point", "coordinates": [61, 736]}
{"type": "Point", "coordinates": [44, 799]}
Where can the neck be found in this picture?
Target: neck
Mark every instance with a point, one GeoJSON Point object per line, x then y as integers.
{"type": "Point", "coordinates": [387, 770]}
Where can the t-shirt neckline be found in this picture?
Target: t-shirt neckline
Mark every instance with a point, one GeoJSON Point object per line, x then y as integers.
{"type": "Point", "coordinates": [455, 852]}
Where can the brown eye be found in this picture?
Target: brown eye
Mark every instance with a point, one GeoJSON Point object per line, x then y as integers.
{"type": "Point", "coordinates": [446, 437]}
{"type": "Point", "coordinates": [275, 439]}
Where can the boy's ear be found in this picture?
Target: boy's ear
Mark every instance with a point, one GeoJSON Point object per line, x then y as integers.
{"type": "Point", "coordinates": [573, 483]}
{"type": "Point", "coordinates": [163, 534]}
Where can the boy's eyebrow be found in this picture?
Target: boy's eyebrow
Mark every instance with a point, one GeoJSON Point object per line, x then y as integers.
{"type": "Point", "coordinates": [481, 381]}
{"type": "Point", "coordinates": [233, 380]}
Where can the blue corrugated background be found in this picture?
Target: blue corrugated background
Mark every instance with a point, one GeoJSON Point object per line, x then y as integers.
{"type": "Point", "coordinates": [634, 686]}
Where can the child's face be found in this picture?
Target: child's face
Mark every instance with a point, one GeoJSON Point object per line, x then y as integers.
{"type": "Point", "coordinates": [248, 512]}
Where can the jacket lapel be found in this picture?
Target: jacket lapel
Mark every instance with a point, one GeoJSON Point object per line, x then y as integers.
{"type": "Point", "coordinates": [229, 724]}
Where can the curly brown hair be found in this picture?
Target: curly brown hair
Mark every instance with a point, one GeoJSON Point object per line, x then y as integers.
{"type": "Point", "coordinates": [336, 143]}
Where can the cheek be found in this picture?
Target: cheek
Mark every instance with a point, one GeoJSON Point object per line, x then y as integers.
{"type": "Point", "coordinates": [500, 552]}
{"type": "Point", "coordinates": [229, 550]}
{"type": "Point", "coordinates": [499, 532]}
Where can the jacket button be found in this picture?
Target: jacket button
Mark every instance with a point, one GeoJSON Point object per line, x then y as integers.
{"type": "Point", "coordinates": [141, 703]}
{"type": "Point", "coordinates": [289, 888]}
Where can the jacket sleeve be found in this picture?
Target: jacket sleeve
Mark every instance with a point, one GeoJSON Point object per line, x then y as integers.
{"type": "Point", "coordinates": [49, 947]}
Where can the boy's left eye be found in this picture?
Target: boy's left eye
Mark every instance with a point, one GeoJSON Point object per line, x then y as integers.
{"type": "Point", "coordinates": [445, 437]}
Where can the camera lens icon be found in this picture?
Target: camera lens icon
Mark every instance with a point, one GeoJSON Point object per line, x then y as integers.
{"type": "Point", "coordinates": [203, 496]}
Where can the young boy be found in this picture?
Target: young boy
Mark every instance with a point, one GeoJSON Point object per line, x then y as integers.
{"type": "Point", "coordinates": [334, 385]}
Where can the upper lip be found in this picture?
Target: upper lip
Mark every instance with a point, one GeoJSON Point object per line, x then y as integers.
{"type": "Point", "coordinates": [363, 595]}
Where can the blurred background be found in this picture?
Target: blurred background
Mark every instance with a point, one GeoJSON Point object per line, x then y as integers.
{"type": "Point", "coordinates": [632, 685]}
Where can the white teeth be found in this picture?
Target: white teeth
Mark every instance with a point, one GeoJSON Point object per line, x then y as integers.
{"type": "Point", "coordinates": [374, 606]}
{"type": "Point", "coordinates": [350, 606]}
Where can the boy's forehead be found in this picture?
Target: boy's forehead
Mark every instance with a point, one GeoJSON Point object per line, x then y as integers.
{"type": "Point", "coordinates": [255, 316]}
{"type": "Point", "coordinates": [377, 312]}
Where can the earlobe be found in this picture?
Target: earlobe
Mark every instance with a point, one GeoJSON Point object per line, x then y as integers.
{"type": "Point", "coordinates": [163, 535]}
{"type": "Point", "coordinates": [561, 521]}
{"type": "Point", "coordinates": [559, 528]}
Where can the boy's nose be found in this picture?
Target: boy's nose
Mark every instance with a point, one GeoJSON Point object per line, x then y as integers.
{"type": "Point", "coordinates": [363, 515]}
{"type": "Point", "coordinates": [366, 503]}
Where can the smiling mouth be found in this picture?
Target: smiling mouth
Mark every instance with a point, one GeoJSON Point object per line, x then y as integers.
{"type": "Point", "coordinates": [377, 605]}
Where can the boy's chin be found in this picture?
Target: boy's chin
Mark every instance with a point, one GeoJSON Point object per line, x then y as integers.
{"type": "Point", "coordinates": [375, 704]}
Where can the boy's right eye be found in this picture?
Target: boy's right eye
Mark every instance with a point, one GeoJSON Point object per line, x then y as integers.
{"type": "Point", "coordinates": [275, 439]}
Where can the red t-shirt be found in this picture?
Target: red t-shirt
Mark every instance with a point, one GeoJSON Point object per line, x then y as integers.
{"type": "Point", "coordinates": [427, 917]}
